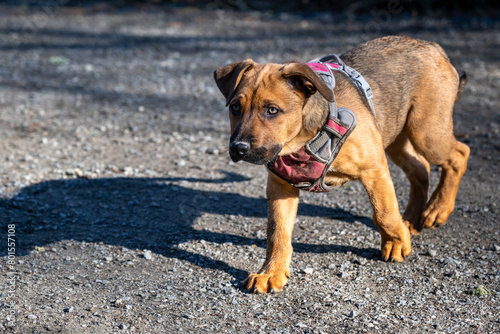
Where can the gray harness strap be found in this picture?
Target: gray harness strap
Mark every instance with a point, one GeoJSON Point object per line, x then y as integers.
{"type": "Point", "coordinates": [352, 74]}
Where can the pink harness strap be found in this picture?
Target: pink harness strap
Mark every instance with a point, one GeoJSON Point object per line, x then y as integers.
{"type": "Point", "coordinates": [298, 167]}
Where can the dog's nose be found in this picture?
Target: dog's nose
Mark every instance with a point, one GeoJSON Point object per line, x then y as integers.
{"type": "Point", "coordinates": [239, 149]}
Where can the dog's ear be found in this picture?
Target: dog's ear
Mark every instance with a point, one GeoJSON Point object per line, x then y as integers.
{"type": "Point", "coordinates": [305, 79]}
{"type": "Point", "coordinates": [228, 77]}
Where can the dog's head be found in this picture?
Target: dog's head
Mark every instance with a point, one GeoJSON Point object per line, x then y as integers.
{"type": "Point", "coordinates": [267, 106]}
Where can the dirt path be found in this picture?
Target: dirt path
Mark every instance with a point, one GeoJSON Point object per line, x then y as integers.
{"type": "Point", "coordinates": [128, 216]}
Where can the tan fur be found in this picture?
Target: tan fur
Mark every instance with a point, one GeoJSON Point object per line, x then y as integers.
{"type": "Point", "coordinates": [415, 87]}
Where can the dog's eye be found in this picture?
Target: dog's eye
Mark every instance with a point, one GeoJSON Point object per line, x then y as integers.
{"type": "Point", "coordinates": [235, 108]}
{"type": "Point", "coordinates": [272, 110]}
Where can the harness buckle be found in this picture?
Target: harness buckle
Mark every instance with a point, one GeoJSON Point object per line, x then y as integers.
{"type": "Point", "coordinates": [369, 92]}
{"type": "Point", "coordinates": [302, 185]}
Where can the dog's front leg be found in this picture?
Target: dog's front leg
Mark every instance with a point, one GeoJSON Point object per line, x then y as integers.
{"type": "Point", "coordinates": [283, 200]}
{"type": "Point", "coordinates": [396, 242]}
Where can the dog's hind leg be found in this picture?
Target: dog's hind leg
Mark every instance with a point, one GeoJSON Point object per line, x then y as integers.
{"type": "Point", "coordinates": [417, 169]}
{"type": "Point", "coordinates": [430, 129]}
{"type": "Point", "coordinates": [442, 200]}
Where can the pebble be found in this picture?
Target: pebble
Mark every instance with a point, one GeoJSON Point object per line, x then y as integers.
{"type": "Point", "coordinates": [353, 314]}
{"type": "Point", "coordinates": [213, 151]}
{"type": "Point", "coordinates": [69, 309]}
{"type": "Point", "coordinates": [147, 255]}
{"type": "Point", "coordinates": [32, 317]}
{"type": "Point", "coordinates": [308, 271]}
{"type": "Point", "coordinates": [362, 261]}
{"type": "Point", "coordinates": [452, 261]}
{"type": "Point", "coordinates": [128, 171]}
{"type": "Point", "coordinates": [301, 325]}
{"type": "Point", "coordinates": [88, 68]}
{"type": "Point", "coordinates": [119, 303]}
{"type": "Point", "coordinates": [74, 172]}
{"type": "Point", "coordinates": [432, 253]}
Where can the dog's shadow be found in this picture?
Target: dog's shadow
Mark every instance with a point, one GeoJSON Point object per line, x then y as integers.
{"type": "Point", "coordinates": [146, 213]}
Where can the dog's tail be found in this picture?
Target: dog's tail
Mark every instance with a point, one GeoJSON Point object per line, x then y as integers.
{"type": "Point", "coordinates": [461, 86]}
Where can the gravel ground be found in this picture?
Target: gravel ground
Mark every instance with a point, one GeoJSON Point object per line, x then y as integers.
{"type": "Point", "coordinates": [129, 217]}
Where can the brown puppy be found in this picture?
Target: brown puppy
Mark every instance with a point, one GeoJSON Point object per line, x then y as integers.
{"type": "Point", "coordinates": [276, 108]}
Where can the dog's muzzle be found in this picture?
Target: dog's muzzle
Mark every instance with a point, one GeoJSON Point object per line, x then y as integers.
{"type": "Point", "coordinates": [242, 150]}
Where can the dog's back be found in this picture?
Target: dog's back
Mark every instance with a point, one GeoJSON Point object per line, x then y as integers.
{"type": "Point", "coordinates": [400, 71]}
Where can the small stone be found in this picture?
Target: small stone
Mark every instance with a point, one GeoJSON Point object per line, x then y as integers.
{"type": "Point", "coordinates": [74, 172]}
{"type": "Point", "coordinates": [32, 317]}
{"type": "Point", "coordinates": [40, 249]}
{"type": "Point", "coordinates": [181, 163]}
{"type": "Point", "coordinates": [147, 255]}
{"type": "Point", "coordinates": [69, 309]}
{"type": "Point", "coordinates": [432, 253]}
{"type": "Point", "coordinates": [108, 259]}
{"type": "Point", "coordinates": [344, 274]}
{"type": "Point", "coordinates": [123, 326]}
{"type": "Point", "coordinates": [353, 314]}
{"type": "Point", "coordinates": [361, 261]}
{"type": "Point", "coordinates": [213, 151]}
{"type": "Point", "coordinates": [308, 271]}
{"type": "Point", "coordinates": [128, 171]}
{"type": "Point", "coordinates": [497, 248]}
{"type": "Point", "coordinates": [452, 261]}
{"type": "Point", "coordinates": [433, 280]}
{"type": "Point", "coordinates": [301, 325]}
{"type": "Point", "coordinates": [119, 303]}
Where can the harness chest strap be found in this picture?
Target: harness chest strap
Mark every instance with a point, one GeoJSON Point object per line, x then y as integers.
{"type": "Point", "coordinates": [307, 168]}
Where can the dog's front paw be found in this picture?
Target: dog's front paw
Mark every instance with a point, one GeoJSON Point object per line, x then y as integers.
{"type": "Point", "coordinates": [267, 282]}
{"type": "Point", "coordinates": [396, 248]}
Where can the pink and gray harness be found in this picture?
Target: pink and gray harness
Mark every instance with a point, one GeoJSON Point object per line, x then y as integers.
{"type": "Point", "coordinates": [307, 168]}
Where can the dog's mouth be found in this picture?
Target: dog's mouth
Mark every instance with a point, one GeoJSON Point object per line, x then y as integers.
{"type": "Point", "coordinates": [257, 156]}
